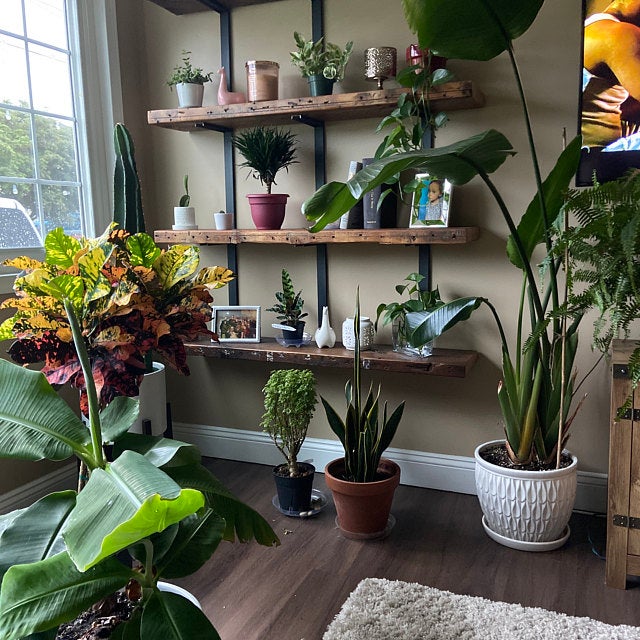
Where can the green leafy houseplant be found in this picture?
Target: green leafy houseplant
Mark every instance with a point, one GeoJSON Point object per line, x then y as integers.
{"type": "Point", "coordinates": [364, 433]}
{"type": "Point", "coordinates": [186, 73]}
{"type": "Point", "coordinates": [289, 403]}
{"type": "Point", "coordinates": [289, 303]}
{"type": "Point", "coordinates": [537, 386]}
{"type": "Point", "coordinates": [320, 58]}
{"type": "Point", "coordinates": [266, 151]}
{"type": "Point", "coordinates": [154, 498]}
{"type": "Point", "coordinates": [131, 297]}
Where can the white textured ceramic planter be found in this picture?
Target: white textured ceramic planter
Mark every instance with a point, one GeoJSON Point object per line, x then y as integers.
{"type": "Point", "coordinates": [527, 510]}
{"type": "Point", "coordinates": [153, 401]}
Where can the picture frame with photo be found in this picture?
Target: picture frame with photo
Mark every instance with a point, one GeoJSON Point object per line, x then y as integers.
{"type": "Point", "coordinates": [431, 202]}
{"type": "Point", "coordinates": [236, 323]}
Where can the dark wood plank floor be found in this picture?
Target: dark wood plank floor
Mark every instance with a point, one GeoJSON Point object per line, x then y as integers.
{"type": "Point", "coordinates": [293, 591]}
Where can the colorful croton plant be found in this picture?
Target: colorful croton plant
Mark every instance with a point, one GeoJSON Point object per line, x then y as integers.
{"type": "Point", "coordinates": [131, 297]}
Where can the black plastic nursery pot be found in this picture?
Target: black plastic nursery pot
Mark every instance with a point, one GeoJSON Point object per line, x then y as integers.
{"type": "Point", "coordinates": [294, 494]}
{"type": "Point", "coordinates": [293, 337]}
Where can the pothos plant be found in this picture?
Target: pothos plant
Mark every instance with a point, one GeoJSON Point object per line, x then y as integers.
{"type": "Point", "coordinates": [131, 297]}
{"type": "Point", "coordinates": [154, 498]}
{"type": "Point", "coordinates": [538, 381]}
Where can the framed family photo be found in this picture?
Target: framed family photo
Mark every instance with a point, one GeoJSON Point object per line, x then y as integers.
{"type": "Point", "coordinates": [431, 202]}
{"type": "Point", "coordinates": [236, 324]}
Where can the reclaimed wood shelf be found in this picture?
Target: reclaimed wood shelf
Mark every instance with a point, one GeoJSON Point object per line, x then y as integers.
{"type": "Point", "coordinates": [182, 7]}
{"type": "Point", "coordinates": [450, 96]}
{"type": "Point", "coordinates": [453, 363]}
{"type": "Point", "coordinates": [302, 237]}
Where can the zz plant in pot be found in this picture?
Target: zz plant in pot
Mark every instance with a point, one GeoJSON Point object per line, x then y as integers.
{"type": "Point", "coordinates": [148, 498]}
{"type": "Point", "coordinates": [289, 310]}
{"type": "Point", "coordinates": [538, 385]}
{"type": "Point", "coordinates": [322, 63]}
{"type": "Point", "coordinates": [362, 482]}
{"type": "Point", "coordinates": [189, 82]}
{"type": "Point", "coordinates": [267, 150]}
{"type": "Point", "coordinates": [289, 403]}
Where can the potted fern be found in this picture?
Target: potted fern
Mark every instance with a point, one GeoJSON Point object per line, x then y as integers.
{"type": "Point", "coordinates": [289, 403]}
{"type": "Point", "coordinates": [267, 150]}
{"type": "Point", "coordinates": [189, 82]}
{"type": "Point", "coordinates": [363, 482]}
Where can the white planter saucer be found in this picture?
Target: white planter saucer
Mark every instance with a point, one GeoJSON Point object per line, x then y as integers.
{"type": "Point", "coordinates": [522, 545]}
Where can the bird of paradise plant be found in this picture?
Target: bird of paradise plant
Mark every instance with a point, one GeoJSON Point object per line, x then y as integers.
{"type": "Point", "coordinates": [538, 380]}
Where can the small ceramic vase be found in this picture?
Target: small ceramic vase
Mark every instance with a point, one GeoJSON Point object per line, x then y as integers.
{"type": "Point", "coordinates": [366, 334]}
{"type": "Point", "coordinates": [325, 335]}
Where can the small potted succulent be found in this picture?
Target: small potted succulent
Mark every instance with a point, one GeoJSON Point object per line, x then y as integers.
{"type": "Point", "coordinates": [184, 216]}
{"type": "Point", "coordinates": [321, 63]}
{"type": "Point", "coordinates": [189, 82]}
{"type": "Point", "coordinates": [266, 151]}
{"type": "Point", "coordinates": [289, 309]}
{"type": "Point", "coordinates": [289, 403]}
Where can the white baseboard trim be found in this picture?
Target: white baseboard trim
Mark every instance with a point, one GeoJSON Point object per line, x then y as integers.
{"type": "Point", "coordinates": [64, 478]}
{"type": "Point", "coordinates": [419, 469]}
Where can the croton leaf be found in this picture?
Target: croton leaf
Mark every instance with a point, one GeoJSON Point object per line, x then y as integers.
{"type": "Point", "coordinates": [178, 263]}
{"type": "Point", "coordinates": [144, 251]}
{"type": "Point", "coordinates": [61, 249]}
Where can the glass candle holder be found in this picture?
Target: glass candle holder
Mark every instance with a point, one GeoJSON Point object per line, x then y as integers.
{"type": "Point", "coordinates": [380, 64]}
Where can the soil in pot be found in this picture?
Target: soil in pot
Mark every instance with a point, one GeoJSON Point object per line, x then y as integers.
{"type": "Point", "coordinates": [294, 494]}
{"type": "Point", "coordinates": [498, 455]}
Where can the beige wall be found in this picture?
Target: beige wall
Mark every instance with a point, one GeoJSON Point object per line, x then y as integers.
{"type": "Point", "coordinates": [446, 416]}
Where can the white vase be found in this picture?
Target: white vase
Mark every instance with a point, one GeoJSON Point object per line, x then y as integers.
{"type": "Point", "coordinates": [325, 336]}
{"type": "Point", "coordinates": [184, 218]}
{"type": "Point", "coordinates": [190, 94]}
{"type": "Point", "coordinates": [153, 402]}
{"type": "Point", "coordinates": [366, 334]}
{"type": "Point", "coordinates": [223, 220]}
{"type": "Point", "coordinates": [526, 510]}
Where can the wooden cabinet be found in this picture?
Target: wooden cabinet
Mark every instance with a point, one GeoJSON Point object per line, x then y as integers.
{"type": "Point", "coordinates": [623, 509]}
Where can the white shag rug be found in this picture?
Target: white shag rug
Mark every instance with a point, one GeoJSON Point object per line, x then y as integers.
{"type": "Point", "coordinates": [380, 609]}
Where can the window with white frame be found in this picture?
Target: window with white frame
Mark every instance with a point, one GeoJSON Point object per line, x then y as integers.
{"type": "Point", "coordinates": [53, 141]}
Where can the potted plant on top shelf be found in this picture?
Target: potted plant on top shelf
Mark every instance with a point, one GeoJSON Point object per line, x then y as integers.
{"type": "Point", "coordinates": [323, 64]}
{"type": "Point", "coordinates": [538, 383]}
{"type": "Point", "coordinates": [153, 498]}
{"type": "Point", "coordinates": [362, 482]}
{"type": "Point", "coordinates": [289, 311]}
{"type": "Point", "coordinates": [189, 82]}
{"type": "Point", "coordinates": [266, 151]}
{"type": "Point", "coordinates": [289, 403]}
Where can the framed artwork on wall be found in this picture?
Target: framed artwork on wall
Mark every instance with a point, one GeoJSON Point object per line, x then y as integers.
{"type": "Point", "coordinates": [236, 324]}
{"type": "Point", "coordinates": [609, 113]}
{"type": "Point", "coordinates": [431, 202]}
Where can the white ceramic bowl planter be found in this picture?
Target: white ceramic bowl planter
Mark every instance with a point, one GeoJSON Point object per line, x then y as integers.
{"type": "Point", "coordinates": [526, 510]}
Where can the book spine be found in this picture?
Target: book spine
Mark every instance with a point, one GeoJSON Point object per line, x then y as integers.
{"type": "Point", "coordinates": [371, 212]}
{"type": "Point", "coordinates": [353, 218]}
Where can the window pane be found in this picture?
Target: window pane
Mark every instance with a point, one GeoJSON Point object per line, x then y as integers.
{"type": "Point", "coordinates": [17, 229]}
{"type": "Point", "coordinates": [56, 149]}
{"type": "Point", "coordinates": [61, 208]}
{"type": "Point", "coordinates": [50, 81]}
{"type": "Point", "coordinates": [46, 22]}
{"type": "Point", "coordinates": [14, 88]}
{"type": "Point", "coordinates": [16, 155]}
{"type": "Point", "coordinates": [11, 17]}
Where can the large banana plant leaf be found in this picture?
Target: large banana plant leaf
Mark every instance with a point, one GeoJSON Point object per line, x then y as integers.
{"type": "Point", "coordinates": [38, 596]}
{"type": "Point", "coordinates": [35, 423]}
{"type": "Point", "coordinates": [122, 504]}
{"type": "Point", "coordinates": [43, 520]}
{"type": "Point", "coordinates": [172, 617]}
{"type": "Point", "coordinates": [459, 162]}
{"type": "Point", "coordinates": [532, 226]}
{"type": "Point", "coordinates": [161, 452]}
{"type": "Point", "coordinates": [425, 326]}
{"type": "Point", "coordinates": [241, 520]}
{"type": "Point", "coordinates": [117, 417]}
{"type": "Point", "coordinates": [470, 29]}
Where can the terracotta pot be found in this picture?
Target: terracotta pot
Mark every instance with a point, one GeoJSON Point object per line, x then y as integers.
{"type": "Point", "coordinates": [363, 508]}
{"type": "Point", "coordinates": [525, 510]}
{"type": "Point", "coordinates": [268, 209]}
